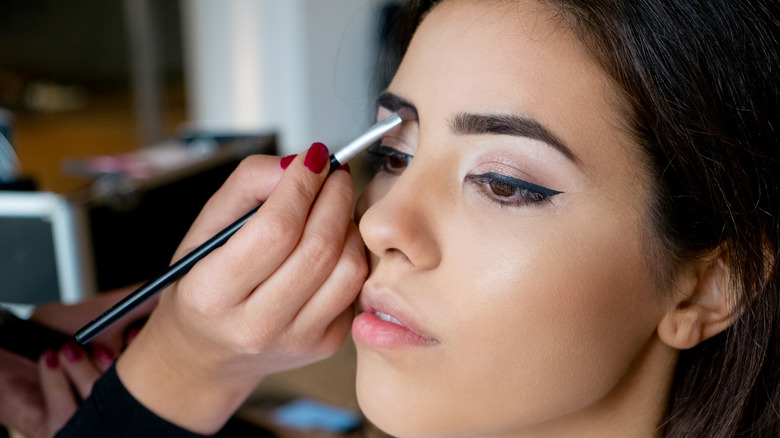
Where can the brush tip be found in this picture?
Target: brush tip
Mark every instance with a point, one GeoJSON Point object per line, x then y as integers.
{"type": "Point", "coordinates": [406, 114]}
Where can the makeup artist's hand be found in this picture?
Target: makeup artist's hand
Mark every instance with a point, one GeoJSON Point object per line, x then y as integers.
{"type": "Point", "coordinates": [36, 399]}
{"type": "Point", "coordinates": [276, 296]}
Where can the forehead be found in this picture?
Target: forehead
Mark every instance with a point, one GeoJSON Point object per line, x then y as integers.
{"type": "Point", "coordinates": [511, 56]}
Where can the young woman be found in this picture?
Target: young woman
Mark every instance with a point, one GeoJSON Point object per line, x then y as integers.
{"type": "Point", "coordinates": [575, 233]}
{"type": "Point", "coordinates": [599, 303]}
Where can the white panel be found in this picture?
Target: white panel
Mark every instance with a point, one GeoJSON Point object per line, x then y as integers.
{"type": "Point", "coordinates": [302, 68]}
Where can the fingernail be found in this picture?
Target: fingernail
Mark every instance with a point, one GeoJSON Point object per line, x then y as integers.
{"type": "Point", "coordinates": [51, 359]}
{"type": "Point", "coordinates": [345, 168]}
{"type": "Point", "coordinates": [71, 353]}
{"type": "Point", "coordinates": [103, 354]}
{"type": "Point", "coordinates": [316, 157]}
{"type": "Point", "coordinates": [286, 161]}
{"type": "Point", "coordinates": [133, 333]}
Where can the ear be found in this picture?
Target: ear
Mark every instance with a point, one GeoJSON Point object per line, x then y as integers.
{"type": "Point", "coordinates": [704, 303]}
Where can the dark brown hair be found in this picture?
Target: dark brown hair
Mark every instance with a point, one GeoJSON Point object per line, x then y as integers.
{"type": "Point", "coordinates": [702, 81]}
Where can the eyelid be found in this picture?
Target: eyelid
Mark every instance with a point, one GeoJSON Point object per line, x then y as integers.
{"type": "Point", "coordinates": [380, 148]}
{"type": "Point", "coordinates": [401, 137]}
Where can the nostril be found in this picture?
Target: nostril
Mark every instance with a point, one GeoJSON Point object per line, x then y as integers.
{"type": "Point", "coordinates": [397, 253]}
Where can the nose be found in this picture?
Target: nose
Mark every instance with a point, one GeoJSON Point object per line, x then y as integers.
{"type": "Point", "coordinates": [402, 225]}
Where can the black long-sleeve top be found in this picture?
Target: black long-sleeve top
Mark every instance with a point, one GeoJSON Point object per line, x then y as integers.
{"type": "Point", "coordinates": [111, 411]}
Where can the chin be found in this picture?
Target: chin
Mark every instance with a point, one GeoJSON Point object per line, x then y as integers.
{"type": "Point", "coordinates": [382, 402]}
{"type": "Point", "coordinates": [397, 409]}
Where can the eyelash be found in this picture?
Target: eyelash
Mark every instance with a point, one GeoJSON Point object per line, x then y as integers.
{"type": "Point", "coordinates": [385, 159]}
{"type": "Point", "coordinates": [511, 192]}
{"type": "Point", "coordinates": [502, 189]}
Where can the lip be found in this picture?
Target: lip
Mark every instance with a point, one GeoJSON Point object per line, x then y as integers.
{"type": "Point", "coordinates": [370, 330]}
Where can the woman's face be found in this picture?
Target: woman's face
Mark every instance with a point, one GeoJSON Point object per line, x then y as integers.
{"type": "Point", "coordinates": [513, 247]}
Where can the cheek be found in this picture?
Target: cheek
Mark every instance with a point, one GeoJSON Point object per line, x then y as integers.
{"type": "Point", "coordinates": [557, 317]}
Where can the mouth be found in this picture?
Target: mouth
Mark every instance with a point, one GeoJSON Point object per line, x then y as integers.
{"type": "Point", "coordinates": [386, 322]}
{"type": "Point", "coordinates": [388, 318]}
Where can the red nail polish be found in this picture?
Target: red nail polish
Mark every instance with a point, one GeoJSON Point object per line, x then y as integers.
{"type": "Point", "coordinates": [317, 157]}
{"type": "Point", "coordinates": [71, 353]}
{"type": "Point", "coordinates": [286, 161]}
{"type": "Point", "coordinates": [51, 359]}
{"type": "Point", "coordinates": [103, 354]}
{"type": "Point", "coordinates": [133, 333]}
{"type": "Point", "coordinates": [345, 168]}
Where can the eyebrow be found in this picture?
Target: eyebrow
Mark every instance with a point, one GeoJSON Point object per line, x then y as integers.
{"type": "Point", "coordinates": [397, 104]}
{"type": "Point", "coordinates": [508, 124]}
{"type": "Point", "coordinates": [481, 124]}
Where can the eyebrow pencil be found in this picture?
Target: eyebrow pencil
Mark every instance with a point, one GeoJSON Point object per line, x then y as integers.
{"type": "Point", "coordinates": [183, 265]}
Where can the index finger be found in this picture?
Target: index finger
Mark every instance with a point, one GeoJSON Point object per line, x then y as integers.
{"type": "Point", "coordinates": [238, 266]}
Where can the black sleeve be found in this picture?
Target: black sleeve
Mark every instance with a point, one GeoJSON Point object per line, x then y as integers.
{"type": "Point", "coordinates": [110, 411]}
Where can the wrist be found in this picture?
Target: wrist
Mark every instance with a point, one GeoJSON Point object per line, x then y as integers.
{"type": "Point", "coordinates": [197, 388]}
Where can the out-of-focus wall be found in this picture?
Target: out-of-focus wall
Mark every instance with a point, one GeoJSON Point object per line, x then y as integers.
{"type": "Point", "coordinates": [301, 68]}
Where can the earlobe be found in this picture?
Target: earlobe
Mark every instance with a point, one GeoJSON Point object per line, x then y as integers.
{"type": "Point", "coordinates": [705, 304]}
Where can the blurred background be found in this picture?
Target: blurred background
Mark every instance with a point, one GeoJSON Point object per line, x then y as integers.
{"type": "Point", "coordinates": [119, 118]}
{"type": "Point", "coordinates": [87, 78]}
{"type": "Point", "coordinates": [134, 111]}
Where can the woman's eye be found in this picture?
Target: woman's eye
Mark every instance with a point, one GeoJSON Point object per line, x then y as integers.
{"type": "Point", "coordinates": [509, 191]}
{"type": "Point", "coordinates": [387, 159]}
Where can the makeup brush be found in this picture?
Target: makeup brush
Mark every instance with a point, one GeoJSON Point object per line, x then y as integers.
{"type": "Point", "coordinates": [183, 265]}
